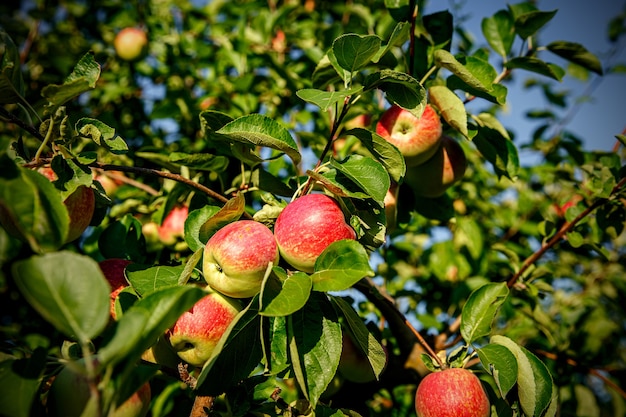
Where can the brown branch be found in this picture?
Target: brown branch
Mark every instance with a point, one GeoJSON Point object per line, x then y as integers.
{"type": "Point", "coordinates": [202, 406]}
{"type": "Point", "coordinates": [11, 118]}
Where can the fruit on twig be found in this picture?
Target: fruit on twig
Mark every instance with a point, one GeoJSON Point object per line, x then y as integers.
{"type": "Point", "coordinates": [354, 365]}
{"type": "Point", "coordinates": [69, 396]}
{"type": "Point", "coordinates": [237, 256]}
{"type": "Point", "coordinates": [130, 43]}
{"type": "Point", "coordinates": [197, 331]}
{"type": "Point", "coordinates": [454, 392]}
{"type": "Point", "coordinates": [445, 168]}
{"type": "Point", "coordinates": [307, 226]}
{"type": "Point", "coordinates": [417, 138]}
{"type": "Point", "coordinates": [113, 270]}
{"type": "Point", "coordinates": [173, 226]}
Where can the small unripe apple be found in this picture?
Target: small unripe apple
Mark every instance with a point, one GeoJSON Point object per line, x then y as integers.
{"type": "Point", "coordinates": [417, 138]}
{"type": "Point", "coordinates": [130, 43]}
{"type": "Point", "coordinates": [454, 392]}
{"type": "Point", "coordinates": [197, 331]}
{"type": "Point", "coordinates": [173, 226]}
{"type": "Point", "coordinates": [354, 365]}
{"type": "Point", "coordinates": [237, 256]}
{"type": "Point", "coordinates": [445, 168]}
{"type": "Point", "coordinates": [307, 226]}
{"type": "Point", "coordinates": [113, 270]}
{"type": "Point", "coordinates": [69, 395]}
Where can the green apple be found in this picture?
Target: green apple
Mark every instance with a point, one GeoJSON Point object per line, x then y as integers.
{"type": "Point", "coordinates": [307, 226]}
{"type": "Point", "coordinates": [237, 256]}
{"type": "Point", "coordinates": [130, 43]}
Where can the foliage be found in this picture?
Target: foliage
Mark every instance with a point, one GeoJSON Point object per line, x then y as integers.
{"type": "Point", "coordinates": [239, 106]}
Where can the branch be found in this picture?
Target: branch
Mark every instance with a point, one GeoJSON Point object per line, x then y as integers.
{"type": "Point", "coordinates": [11, 118]}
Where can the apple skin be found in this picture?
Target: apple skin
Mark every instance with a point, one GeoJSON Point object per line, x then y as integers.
{"type": "Point", "coordinates": [417, 139]}
{"type": "Point", "coordinates": [113, 270]}
{"type": "Point", "coordinates": [197, 331]}
{"type": "Point", "coordinates": [69, 394]}
{"type": "Point", "coordinates": [173, 226]}
{"type": "Point", "coordinates": [445, 168]}
{"type": "Point", "coordinates": [354, 366]}
{"type": "Point", "coordinates": [130, 43]}
{"type": "Point", "coordinates": [454, 392]}
{"type": "Point", "coordinates": [307, 226]}
{"type": "Point", "coordinates": [236, 258]}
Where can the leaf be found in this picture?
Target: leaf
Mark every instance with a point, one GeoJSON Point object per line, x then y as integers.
{"type": "Point", "coordinates": [469, 235]}
{"type": "Point", "coordinates": [146, 280]}
{"type": "Point", "coordinates": [341, 265]}
{"type": "Point", "coordinates": [400, 89]}
{"type": "Point", "coordinates": [576, 53]}
{"type": "Point", "coordinates": [501, 363]}
{"type": "Point", "coordinates": [354, 52]}
{"type": "Point", "coordinates": [20, 380]}
{"type": "Point", "coordinates": [480, 310]}
{"type": "Point", "coordinates": [11, 80]}
{"type": "Point", "coordinates": [535, 387]}
{"type": "Point", "coordinates": [128, 331]}
{"type": "Point", "coordinates": [101, 134]}
{"type": "Point", "coordinates": [193, 225]}
{"type": "Point", "coordinates": [528, 24]}
{"type": "Point", "coordinates": [451, 107]}
{"type": "Point", "coordinates": [498, 150]}
{"type": "Point", "coordinates": [386, 153]}
{"type": "Point", "coordinates": [366, 173]}
{"type": "Point", "coordinates": [259, 130]}
{"type": "Point", "coordinates": [314, 340]}
{"type": "Point", "coordinates": [283, 295]}
{"type": "Point", "coordinates": [123, 239]}
{"type": "Point", "coordinates": [232, 211]}
{"type": "Point", "coordinates": [325, 99]}
{"type": "Point", "coordinates": [397, 38]}
{"type": "Point", "coordinates": [499, 32]}
{"type": "Point", "coordinates": [83, 78]}
{"type": "Point", "coordinates": [536, 65]}
{"type": "Point", "coordinates": [68, 290]}
{"type": "Point", "coordinates": [200, 161]}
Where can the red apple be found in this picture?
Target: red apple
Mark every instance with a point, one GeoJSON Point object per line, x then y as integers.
{"type": "Point", "coordinates": [446, 167]}
{"type": "Point", "coordinates": [417, 138]}
{"type": "Point", "coordinates": [307, 226]}
{"type": "Point", "coordinates": [113, 270]}
{"type": "Point", "coordinates": [454, 392]}
{"type": "Point", "coordinates": [197, 331]}
{"type": "Point", "coordinates": [173, 226]}
{"type": "Point", "coordinates": [69, 395]}
{"type": "Point", "coordinates": [130, 43]}
{"type": "Point", "coordinates": [236, 258]}
{"type": "Point", "coordinates": [354, 365]}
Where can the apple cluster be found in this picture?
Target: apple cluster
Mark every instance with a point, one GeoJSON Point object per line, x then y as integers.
{"type": "Point", "coordinates": [434, 161]}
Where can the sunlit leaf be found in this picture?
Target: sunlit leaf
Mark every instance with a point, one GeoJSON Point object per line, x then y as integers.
{"type": "Point", "coordinates": [325, 99]}
{"type": "Point", "coordinates": [501, 363]}
{"type": "Point", "coordinates": [367, 175]}
{"type": "Point", "coordinates": [480, 310]}
{"type": "Point", "coordinates": [83, 78]}
{"type": "Point", "coordinates": [230, 212]}
{"type": "Point", "coordinates": [146, 280]}
{"type": "Point", "coordinates": [340, 266]}
{"type": "Point", "coordinates": [499, 32]}
{"type": "Point", "coordinates": [451, 107]}
{"type": "Point", "coordinates": [385, 152]}
{"type": "Point", "coordinates": [101, 134]}
{"type": "Point", "coordinates": [285, 294]}
{"type": "Point", "coordinates": [353, 51]}
{"type": "Point", "coordinates": [400, 89]}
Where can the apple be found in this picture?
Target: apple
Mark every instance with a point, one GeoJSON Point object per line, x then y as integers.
{"type": "Point", "coordinates": [453, 392]}
{"type": "Point", "coordinates": [237, 256]}
{"type": "Point", "coordinates": [69, 395]}
{"type": "Point", "coordinates": [445, 168]}
{"type": "Point", "coordinates": [197, 331]}
{"type": "Point", "coordinates": [307, 226]}
{"type": "Point", "coordinates": [113, 270]}
{"type": "Point", "coordinates": [161, 353]}
{"type": "Point", "coordinates": [391, 206]}
{"type": "Point", "coordinates": [173, 226]}
{"type": "Point", "coordinates": [417, 138]}
{"type": "Point", "coordinates": [130, 43]}
{"type": "Point", "coordinates": [354, 365]}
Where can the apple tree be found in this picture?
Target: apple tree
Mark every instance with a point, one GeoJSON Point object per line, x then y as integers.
{"type": "Point", "coordinates": [131, 134]}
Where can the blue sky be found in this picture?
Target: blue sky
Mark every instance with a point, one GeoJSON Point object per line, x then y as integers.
{"type": "Point", "coordinates": [598, 119]}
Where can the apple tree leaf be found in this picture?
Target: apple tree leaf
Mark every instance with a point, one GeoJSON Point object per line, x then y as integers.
{"type": "Point", "coordinates": [354, 52]}
{"type": "Point", "coordinates": [11, 80]}
{"type": "Point", "coordinates": [534, 382]}
{"type": "Point", "coordinates": [68, 290]}
{"type": "Point", "coordinates": [123, 239]}
{"type": "Point", "coordinates": [400, 88]}
{"type": "Point", "coordinates": [230, 212]}
{"type": "Point", "coordinates": [480, 310]}
{"type": "Point", "coordinates": [283, 295]}
{"type": "Point", "coordinates": [499, 32]}
{"type": "Point", "coordinates": [325, 99]}
{"type": "Point", "coordinates": [314, 340]}
{"type": "Point", "coordinates": [386, 153]}
{"type": "Point", "coordinates": [128, 331]}
{"type": "Point", "coordinates": [451, 107]}
{"type": "Point", "coordinates": [498, 150]}
{"type": "Point", "coordinates": [500, 362]}
{"type": "Point", "coordinates": [101, 134]}
{"type": "Point", "coordinates": [20, 381]}
{"type": "Point", "coordinates": [200, 161]}
{"type": "Point", "coordinates": [397, 38]}
{"type": "Point", "coordinates": [71, 174]}
{"type": "Point", "coordinates": [194, 223]}
{"type": "Point", "coordinates": [537, 66]}
{"type": "Point", "coordinates": [277, 356]}
{"type": "Point", "coordinates": [576, 53]}
{"type": "Point", "coordinates": [367, 174]}
{"type": "Point", "coordinates": [527, 24]}
{"type": "Point", "coordinates": [146, 280]}
{"type": "Point", "coordinates": [83, 78]}
{"type": "Point", "coordinates": [340, 266]}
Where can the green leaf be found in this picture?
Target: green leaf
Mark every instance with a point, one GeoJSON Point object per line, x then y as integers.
{"type": "Point", "coordinates": [536, 65]}
{"type": "Point", "coordinates": [314, 340]}
{"type": "Point", "coordinates": [68, 290]}
{"type": "Point", "coordinates": [83, 78]}
{"type": "Point", "coordinates": [576, 53]}
{"type": "Point", "coordinates": [468, 234]}
{"type": "Point", "coordinates": [529, 23]}
{"type": "Point", "coordinates": [11, 80]}
{"type": "Point", "coordinates": [232, 211]}
{"type": "Point", "coordinates": [340, 266]}
{"type": "Point", "coordinates": [480, 310]}
{"type": "Point", "coordinates": [400, 89]}
{"type": "Point", "coordinates": [451, 107]}
{"type": "Point", "coordinates": [366, 173]}
{"type": "Point", "coordinates": [326, 99]}
{"type": "Point", "coordinates": [20, 381]}
{"type": "Point", "coordinates": [200, 161]}
{"type": "Point", "coordinates": [535, 387]}
{"type": "Point", "coordinates": [146, 280]}
{"type": "Point", "coordinates": [440, 27]}
{"type": "Point", "coordinates": [398, 37]}
{"type": "Point", "coordinates": [499, 32]}
{"type": "Point", "coordinates": [278, 355]}
{"type": "Point", "coordinates": [193, 226]}
{"type": "Point", "coordinates": [354, 52]}
{"type": "Point", "coordinates": [128, 331]}
{"type": "Point", "coordinates": [284, 294]}
{"type": "Point", "coordinates": [123, 239]}
{"type": "Point", "coordinates": [259, 130]}
{"type": "Point", "coordinates": [386, 153]}
{"type": "Point", "coordinates": [101, 134]}
{"type": "Point", "coordinates": [498, 150]}
{"type": "Point", "coordinates": [501, 363]}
